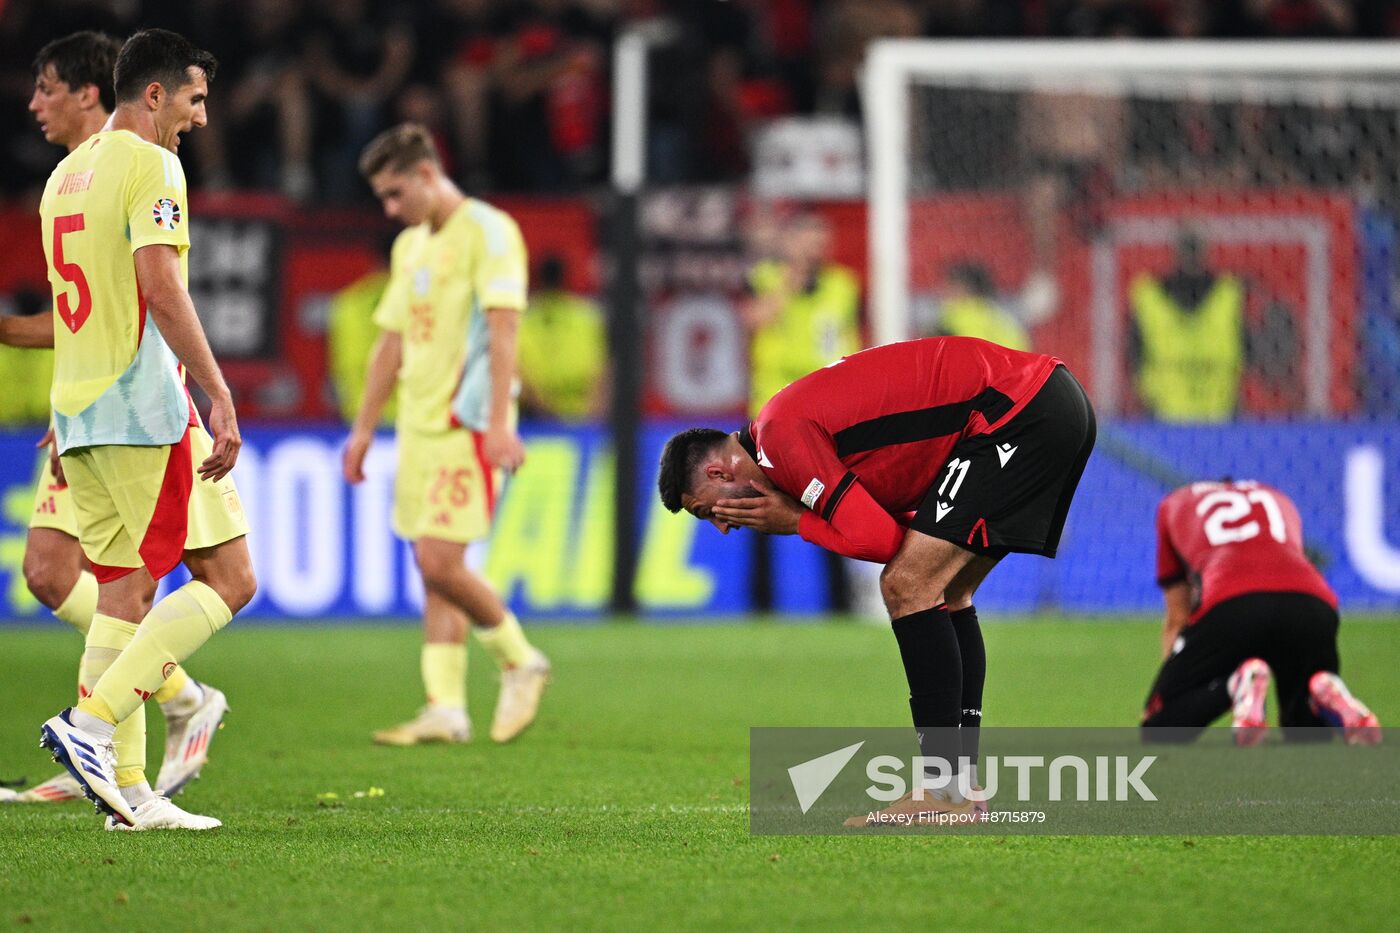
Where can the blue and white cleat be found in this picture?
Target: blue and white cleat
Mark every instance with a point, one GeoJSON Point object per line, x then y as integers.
{"type": "Point", "coordinates": [187, 740]}
{"type": "Point", "coordinates": [91, 761]}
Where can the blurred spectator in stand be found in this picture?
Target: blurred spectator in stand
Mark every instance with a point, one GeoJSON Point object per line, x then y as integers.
{"type": "Point", "coordinates": [263, 98]}
{"type": "Point", "coordinates": [563, 349]}
{"type": "Point", "coordinates": [550, 72]}
{"type": "Point", "coordinates": [358, 57]}
{"type": "Point", "coordinates": [845, 29]}
{"type": "Point", "coordinates": [459, 45]}
{"type": "Point", "coordinates": [802, 314]}
{"type": "Point", "coordinates": [971, 308]}
{"type": "Point", "coordinates": [1300, 19]}
{"type": "Point", "coordinates": [1273, 360]}
{"type": "Point", "coordinates": [973, 19]}
{"type": "Point", "coordinates": [1075, 144]}
{"type": "Point", "coordinates": [421, 104]}
{"type": "Point", "coordinates": [1187, 338]}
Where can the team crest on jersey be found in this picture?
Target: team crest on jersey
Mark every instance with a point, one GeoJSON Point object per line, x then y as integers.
{"type": "Point", "coordinates": [166, 214]}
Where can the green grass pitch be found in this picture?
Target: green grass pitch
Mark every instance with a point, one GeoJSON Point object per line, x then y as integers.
{"type": "Point", "coordinates": [625, 805]}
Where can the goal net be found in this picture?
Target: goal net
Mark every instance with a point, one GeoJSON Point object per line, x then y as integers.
{"type": "Point", "coordinates": [1205, 233]}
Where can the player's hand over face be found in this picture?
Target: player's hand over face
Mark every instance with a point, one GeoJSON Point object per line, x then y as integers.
{"type": "Point", "coordinates": [223, 424]}
{"type": "Point", "coordinates": [55, 464]}
{"type": "Point", "coordinates": [352, 461]}
{"type": "Point", "coordinates": [773, 513]}
{"type": "Point", "coordinates": [503, 448]}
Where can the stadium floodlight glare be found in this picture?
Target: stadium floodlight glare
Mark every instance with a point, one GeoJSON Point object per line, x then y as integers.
{"type": "Point", "coordinates": [960, 119]}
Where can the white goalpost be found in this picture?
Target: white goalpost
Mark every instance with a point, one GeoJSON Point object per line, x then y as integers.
{"type": "Point", "coordinates": [1065, 170]}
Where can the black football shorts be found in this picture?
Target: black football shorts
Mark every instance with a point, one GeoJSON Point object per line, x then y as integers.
{"type": "Point", "coordinates": [1295, 634]}
{"type": "Point", "coordinates": [1010, 490]}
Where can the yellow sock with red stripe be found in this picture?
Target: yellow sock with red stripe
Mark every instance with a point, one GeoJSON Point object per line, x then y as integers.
{"type": "Point", "coordinates": [174, 629]}
{"type": "Point", "coordinates": [505, 643]}
{"type": "Point", "coordinates": [106, 640]}
{"type": "Point", "coordinates": [444, 667]}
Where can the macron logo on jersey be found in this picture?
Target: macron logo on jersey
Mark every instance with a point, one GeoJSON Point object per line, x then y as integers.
{"type": "Point", "coordinates": [763, 460]}
{"type": "Point", "coordinates": [813, 492]}
{"type": "Point", "coordinates": [1004, 452]}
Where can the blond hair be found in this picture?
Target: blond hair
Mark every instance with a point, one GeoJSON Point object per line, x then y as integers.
{"type": "Point", "coordinates": [398, 148]}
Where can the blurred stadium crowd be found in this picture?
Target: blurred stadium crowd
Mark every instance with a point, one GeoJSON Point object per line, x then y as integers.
{"type": "Point", "coordinates": [517, 91]}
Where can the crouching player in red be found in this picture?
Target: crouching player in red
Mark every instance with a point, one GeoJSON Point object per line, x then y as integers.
{"type": "Point", "coordinates": [1245, 605]}
{"type": "Point", "coordinates": [935, 457]}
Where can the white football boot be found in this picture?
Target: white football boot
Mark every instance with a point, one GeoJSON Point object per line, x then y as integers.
{"type": "Point", "coordinates": [160, 813]}
{"type": "Point", "coordinates": [519, 699]}
{"type": "Point", "coordinates": [58, 789]}
{"type": "Point", "coordinates": [1249, 694]}
{"type": "Point", "coordinates": [187, 740]}
{"type": "Point", "coordinates": [446, 724]}
{"type": "Point", "coordinates": [1333, 703]}
{"type": "Point", "coordinates": [90, 760]}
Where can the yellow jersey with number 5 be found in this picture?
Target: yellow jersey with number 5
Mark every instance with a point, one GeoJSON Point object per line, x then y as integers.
{"type": "Point", "coordinates": [441, 284]}
{"type": "Point", "coordinates": [115, 380]}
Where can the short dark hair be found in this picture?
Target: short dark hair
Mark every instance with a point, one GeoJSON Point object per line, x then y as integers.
{"type": "Point", "coordinates": [399, 148]}
{"type": "Point", "coordinates": [679, 460]}
{"type": "Point", "coordinates": [162, 56]}
{"type": "Point", "coordinates": [80, 59]}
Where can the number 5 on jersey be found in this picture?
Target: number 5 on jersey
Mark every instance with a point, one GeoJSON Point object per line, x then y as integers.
{"type": "Point", "coordinates": [70, 272]}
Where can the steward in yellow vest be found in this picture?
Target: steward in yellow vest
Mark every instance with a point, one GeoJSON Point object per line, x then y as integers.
{"type": "Point", "coordinates": [563, 350]}
{"type": "Point", "coordinates": [350, 335]}
{"type": "Point", "coordinates": [803, 313]}
{"type": "Point", "coordinates": [972, 310]}
{"type": "Point", "coordinates": [1190, 343]}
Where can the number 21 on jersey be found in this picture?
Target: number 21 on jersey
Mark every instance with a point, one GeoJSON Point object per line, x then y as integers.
{"type": "Point", "coordinates": [1225, 512]}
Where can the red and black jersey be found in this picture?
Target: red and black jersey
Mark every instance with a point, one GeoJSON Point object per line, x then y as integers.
{"type": "Point", "coordinates": [862, 440]}
{"type": "Point", "coordinates": [1228, 539]}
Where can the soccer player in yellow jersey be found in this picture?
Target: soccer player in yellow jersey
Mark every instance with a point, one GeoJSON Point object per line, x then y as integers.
{"type": "Point", "coordinates": [72, 99]}
{"type": "Point", "coordinates": [115, 229]}
{"type": "Point", "coordinates": [449, 318]}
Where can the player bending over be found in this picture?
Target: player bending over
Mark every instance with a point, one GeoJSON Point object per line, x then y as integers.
{"type": "Point", "coordinates": [982, 444]}
{"type": "Point", "coordinates": [1244, 604]}
{"type": "Point", "coordinates": [72, 100]}
{"type": "Point", "coordinates": [449, 317]}
{"type": "Point", "coordinates": [115, 229]}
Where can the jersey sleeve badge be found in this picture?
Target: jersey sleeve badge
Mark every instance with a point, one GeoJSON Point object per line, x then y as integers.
{"type": "Point", "coordinates": [166, 214]}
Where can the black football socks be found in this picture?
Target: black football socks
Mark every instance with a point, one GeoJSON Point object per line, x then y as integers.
{"type": "Point", "coordinates": [933, 667]}
{"type": "Point", "coordinates": [974, 674]}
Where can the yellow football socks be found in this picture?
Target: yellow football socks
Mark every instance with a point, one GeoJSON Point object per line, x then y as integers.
{"type": "Point", "coordinates": [173, 630]}
{"type": "Point", "coordinates": [107, 638]}
{"type": "Point", "coordinates": [444, 668]}
{"type": "Point", "coordinates": [79, 605]}
{"type": "Point", "coordinates": [505, 643]}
